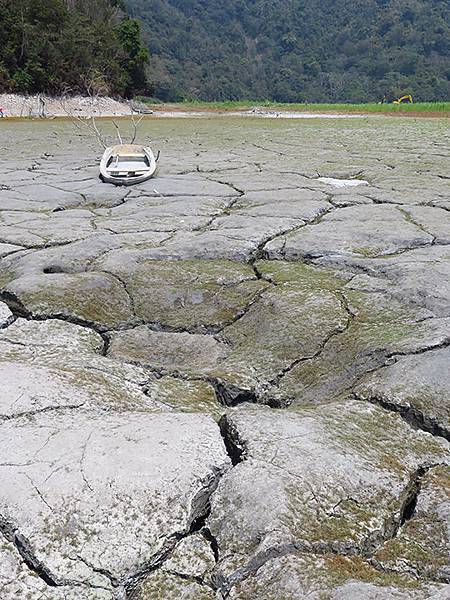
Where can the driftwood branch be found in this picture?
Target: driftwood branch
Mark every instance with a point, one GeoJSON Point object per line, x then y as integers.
{"type": "Point", "coordinates": [82, 123]}
{"type": "Point", "coordinates": [97, 133]}
{"type": "Point", "coordinates": [135, 126]}
{"type": "Point", "coordinates": [118, 132]}
{"type": "Point", "coordinates": [95, 86]}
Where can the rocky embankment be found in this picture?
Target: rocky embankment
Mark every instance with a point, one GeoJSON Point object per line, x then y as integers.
{"type": "Point", "coordinates": [232, 381]}
{"type": "Point", "coordinates": [39, 106]}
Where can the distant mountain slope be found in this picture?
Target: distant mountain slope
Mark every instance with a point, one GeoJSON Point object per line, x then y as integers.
{"type": "Point", "coordinates": [297, 50]}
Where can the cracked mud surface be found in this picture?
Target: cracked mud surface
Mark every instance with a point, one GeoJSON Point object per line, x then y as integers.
{"type": "Point", "coordinates": [232, 381]}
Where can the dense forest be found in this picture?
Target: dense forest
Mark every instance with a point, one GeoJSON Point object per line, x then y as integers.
{"type": "Point", "coordinates": [297, 50]}
{"type": "Point", "coordinates": [71, 46]}
{"type": "Point", "coordinates": [283, 50]}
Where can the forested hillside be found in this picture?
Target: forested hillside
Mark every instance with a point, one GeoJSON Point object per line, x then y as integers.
{"type": "Point", "coordinates": [57, 46]}
{"type": "Point", "coordinates": [297, 50]}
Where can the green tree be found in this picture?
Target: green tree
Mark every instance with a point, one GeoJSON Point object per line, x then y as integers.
{"type": "Point", "coordinates": [53, 46]}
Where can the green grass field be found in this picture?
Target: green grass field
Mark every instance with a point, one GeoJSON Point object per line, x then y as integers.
{"type": "Point", "coordinates": [417, 107]}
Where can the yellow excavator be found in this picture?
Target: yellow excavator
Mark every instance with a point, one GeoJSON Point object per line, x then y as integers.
{"type": "Point", "coordinates": [407, 99]}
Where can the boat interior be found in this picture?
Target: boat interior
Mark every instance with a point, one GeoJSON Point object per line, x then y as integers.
{"type": "Point", "coordinates": [128, 163]}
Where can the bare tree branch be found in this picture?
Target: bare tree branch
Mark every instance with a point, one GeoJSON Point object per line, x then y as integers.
{"type": "Point", "coordinates": [135, 126]}
{"type": "Point", "coordinates": [97, 133]}
{"type": "Point", "coordinates": [95, 86]}
{"type": "Point", "coordinates": [118, 132]}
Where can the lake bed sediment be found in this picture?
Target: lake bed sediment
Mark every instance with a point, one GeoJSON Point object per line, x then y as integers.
{"type": "Point", "coordinates": [229, 381]}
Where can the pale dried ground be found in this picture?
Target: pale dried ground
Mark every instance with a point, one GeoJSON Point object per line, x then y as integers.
{"type": "Point", "coordinates": [232, 381]}
{"type": "Point", "coordinates": [16, 105]}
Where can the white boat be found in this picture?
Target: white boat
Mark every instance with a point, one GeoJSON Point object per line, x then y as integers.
{"type": "Point", "coordinates": [127, 164]}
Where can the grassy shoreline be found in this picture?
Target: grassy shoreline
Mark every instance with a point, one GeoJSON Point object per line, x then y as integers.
{"type": "Point", "coordinates": [24, 107]}
{"type": "Point", "coordinates": [418, 108]}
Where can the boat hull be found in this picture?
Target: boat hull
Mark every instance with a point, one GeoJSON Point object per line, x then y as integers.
{"type": "Point", "coordinates": [124, 176]}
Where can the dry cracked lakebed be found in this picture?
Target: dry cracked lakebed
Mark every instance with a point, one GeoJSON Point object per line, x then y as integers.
{"type": "Point", "coordinates": [232, 381]}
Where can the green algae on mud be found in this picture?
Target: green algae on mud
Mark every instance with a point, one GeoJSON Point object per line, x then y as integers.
{"type": "Point", "coordinates": [325, 577]}
{"type": "Point", "coordinates": [301, 275]}
{"type": "Point", "coordinates": [92, 298]}
{"type": "Point", "coordinates": [191, 294]}
{"type": "Point", "coordinates": [376, 330]}
{"type": "Point", "coordinates": [183, 395]}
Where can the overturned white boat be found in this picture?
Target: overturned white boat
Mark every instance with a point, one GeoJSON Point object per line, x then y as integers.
{"type": "Point", "coordinates": [127, 164]}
